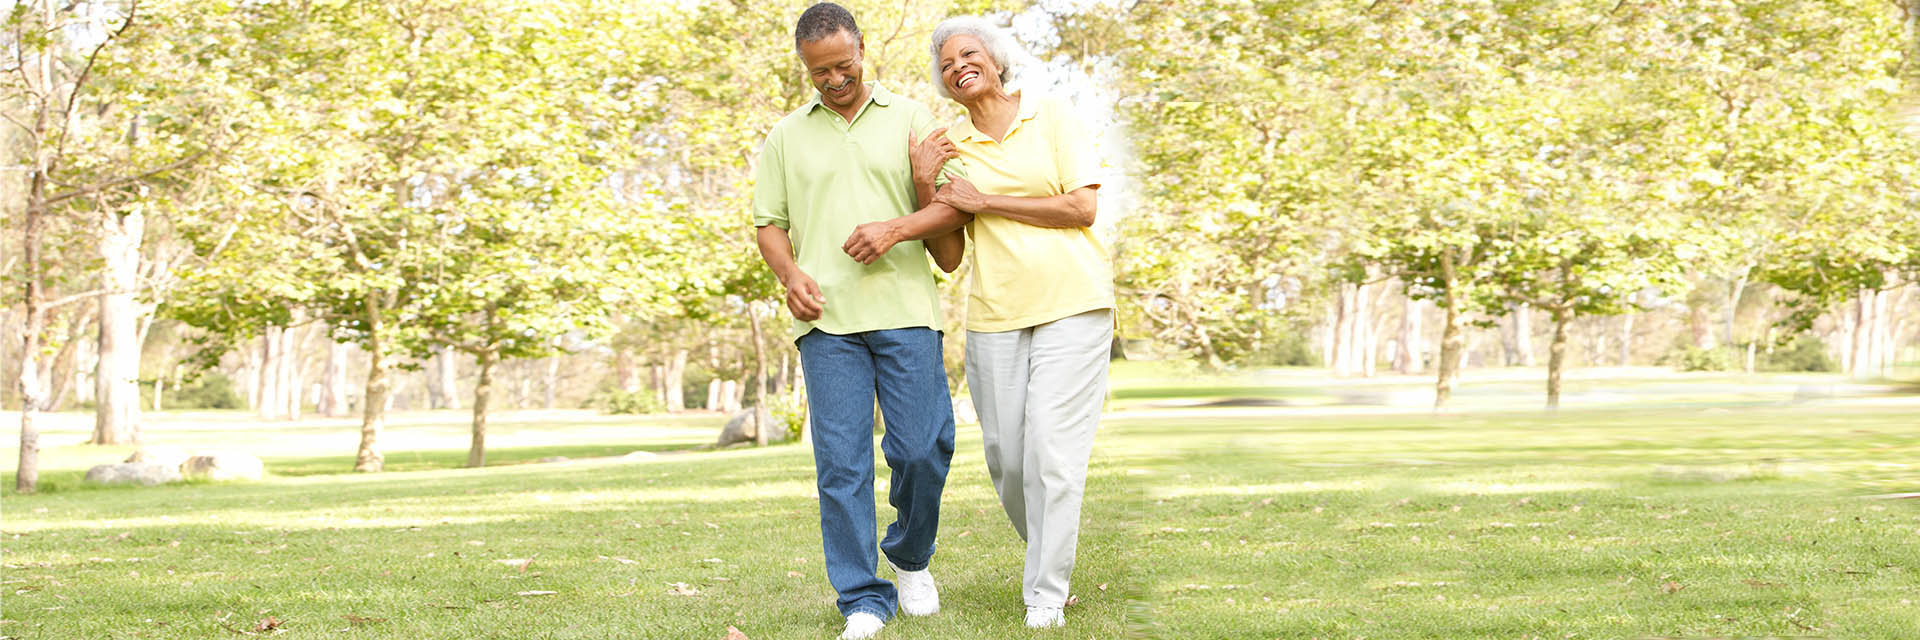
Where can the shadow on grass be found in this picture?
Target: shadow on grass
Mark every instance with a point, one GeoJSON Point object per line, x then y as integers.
{"type": "Point", "coordinates": [435, 459]}
{"type": "Point", "coordinates": [71, 480]}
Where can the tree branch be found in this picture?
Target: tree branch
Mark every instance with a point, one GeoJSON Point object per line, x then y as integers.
{"type": "Point", "coordinates": [100, 186]}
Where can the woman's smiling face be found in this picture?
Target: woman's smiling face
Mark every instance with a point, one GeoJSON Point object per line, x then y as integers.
{"type": "Point", "coordinates": [966, 69]}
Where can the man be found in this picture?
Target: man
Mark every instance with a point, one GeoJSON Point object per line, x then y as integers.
{"type": "Point", "coordinates": [865, 331]}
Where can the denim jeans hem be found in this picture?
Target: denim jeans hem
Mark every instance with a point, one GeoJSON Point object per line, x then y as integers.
{"type": "Point", "coordinates": [870, 611]}
{"type": "Point", "coordinates": [903, 566]}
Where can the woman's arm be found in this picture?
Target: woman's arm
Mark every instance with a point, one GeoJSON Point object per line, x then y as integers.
{"type": "Point", "coordinates": [1076, 208]}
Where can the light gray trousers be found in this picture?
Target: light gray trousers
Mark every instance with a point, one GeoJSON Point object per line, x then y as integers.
{"type": "Point", "coordinates": [1039, 391]}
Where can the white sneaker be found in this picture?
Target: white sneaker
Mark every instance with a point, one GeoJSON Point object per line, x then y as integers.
{"type": "Point", "coordinates": [918, 595]}
{"type": "Point", "coordinates": [862, 625]}
{"type": "Point", "coordinates": [1043, 617]}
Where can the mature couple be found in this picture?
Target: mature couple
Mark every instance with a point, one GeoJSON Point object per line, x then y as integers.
{"type": "Point", "coordinates": [849, 190]}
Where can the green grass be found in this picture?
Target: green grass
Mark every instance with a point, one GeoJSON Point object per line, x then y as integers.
{"type": "Point", "coordinates": [1751, 521]}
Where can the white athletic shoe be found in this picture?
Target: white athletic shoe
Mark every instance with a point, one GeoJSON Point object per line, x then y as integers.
{"type": "Point", "coordinates": [1043, 617]}
{"type": "Point", "coordinates": [918, 595]}
{"type": "Point", "coordinates": [862, 625]}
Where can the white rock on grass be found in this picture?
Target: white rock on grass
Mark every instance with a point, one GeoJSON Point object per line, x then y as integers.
{"type": "Point", "coordinates": [145, 473]}
{"type": "Point", "coordinates": [223, 466]}
{"type": "Point", "coordinates": [162, 455]}
{"type": "Point", "coordinates": [740, 428]}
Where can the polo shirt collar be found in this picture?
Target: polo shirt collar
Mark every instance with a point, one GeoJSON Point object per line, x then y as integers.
{"type": "Point", "coordinates": [880, 96]}
{"type": "Point", "coordinates": [964, 131]}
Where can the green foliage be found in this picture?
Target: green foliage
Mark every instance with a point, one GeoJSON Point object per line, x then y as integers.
{"type": "Point", "coordinates": [1693, 358]}
{"type": "Point", "coordinates": [1804, 353]}
{"type": "Point", "coordinates": [616, 401]}
{"type": "Point", "coordinates": [789, 413]}
{"type": "Point", "coordinates": [212, 390]}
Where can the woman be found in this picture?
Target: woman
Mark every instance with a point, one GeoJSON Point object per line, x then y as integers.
{"type": "Point", "coordinates": [1040, 315]}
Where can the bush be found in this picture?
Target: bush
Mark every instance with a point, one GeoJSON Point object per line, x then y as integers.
{"type": "Point", "coordinates": [1803, 354]}
{"type": "Point", "coordinates": [1691, 358]}
{"type": "Point", "coordinates": [212, 390]}
{"type": "Point", "coordinates": [788, 411]}
{"type": "Point", "coordinates": [627, 402]}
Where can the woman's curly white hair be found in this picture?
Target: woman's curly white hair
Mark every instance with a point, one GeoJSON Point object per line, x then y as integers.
{"type": "Point", "coordinates": [1000, 46]}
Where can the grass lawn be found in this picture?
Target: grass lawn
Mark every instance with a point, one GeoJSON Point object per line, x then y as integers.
{"type": "Point", "coordinates": [1745, 520]}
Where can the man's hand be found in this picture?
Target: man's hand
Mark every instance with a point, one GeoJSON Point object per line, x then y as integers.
{"type": "Point", "coordinates": [871, 240]}
{"type": "Point", "coordinates": [803, 297]}
{"type": "Point", "coordinates": [930, 154]}
{"type": "Point", "coordinates": [961, 194]}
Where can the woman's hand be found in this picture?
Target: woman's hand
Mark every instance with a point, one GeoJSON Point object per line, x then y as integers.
{"type": "Point", "coordinates": [961, 194]}
{"type": "Point", "coordinates": [930, 154]}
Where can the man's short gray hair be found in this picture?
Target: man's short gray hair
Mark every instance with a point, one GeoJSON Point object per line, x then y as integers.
{"type": "Point", "coordinates": [1000, 45]}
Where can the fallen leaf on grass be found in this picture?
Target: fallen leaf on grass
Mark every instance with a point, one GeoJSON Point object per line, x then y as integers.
{"type": "Point", "coordinates": [1671, 587]}
{"type": "Point", "coordinates": [681, 589]}
{"type": "Point", "coordinates": [1756, 583]}
{"type": "Point", "coordinates": [1102, 587]}
{"type": "Point", "coordinates": [794, 574]}
{"type": "Point", "coordinates": [528, 594]}
{"type": "Point", "coordinates": [270, 623]}
{"type": "Point", "coordinates": [518, 563]}
{"type": "Point", "coordinates": [357, 620]}
{"type": "Point", "coordinates": [735, 634]}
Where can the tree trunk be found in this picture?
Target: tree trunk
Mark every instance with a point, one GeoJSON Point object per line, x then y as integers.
{"type": "Point", "coordinates": [373, 417]}
{"type": "Point", "coordinates": [32, 393]}
{"type": "Point", "coordinates": [1883, 333]}
{"type": "Point", "coordinates": [677, 381]}
{"type": "Point", "coordinates": [1369, 349]}
{"type": "Point", "coordinates": [1330, 337]}
{"type": "Point", "coordinates": [159, 391]}
{"type": "Point", "coordinates": [1734, 292]}
{"type": "Point", "coordinates": [269, 405]}
{"type": "Point", "coordinates": [443, 384]}
{"type": "Point", "coordinates": [482, 392]}
{"type": "Point", "coordinates": [1557, 356]}
{"type": "Point", "coordinates": [628, 373]}
{"type": "Point", "coordinates": [713, 395]}
{"type": "Point", "coordinates": [759, 380]}
{"type": "Point", "coordinates": [1412, 349]}
{"type": "Point", "coordinates": [1626, 338]}
{"type": "Point", "coordinates": [1523, 337]}
{"type": "Point", "coordinates": [1698, 325]}
{"type": "Point", "coordinates": [116, 372]}
{"type": "Point", "coordinates": [552, 381]}
{"type": "Point", "coordinates": [60, 371]}
{"type": "Point", "coordinates": [1452, 341]}
{"type": "Point", "coordinates": [1343, 330]}
{"type": "Point", "coordinates": [290, 375]}
{"type": "Point", "coordinates": [333, 382]}
{"type": "Point", "coordinates": [1863, 333]}
{"type": "Point", "coordinates": [784, 374]}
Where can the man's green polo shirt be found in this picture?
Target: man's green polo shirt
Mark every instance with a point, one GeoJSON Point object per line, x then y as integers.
{"type": "Point", "coordinates": [819, 177]}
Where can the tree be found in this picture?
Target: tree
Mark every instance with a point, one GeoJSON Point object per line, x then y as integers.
{"type": "Point", "coordinates": [85, 165]}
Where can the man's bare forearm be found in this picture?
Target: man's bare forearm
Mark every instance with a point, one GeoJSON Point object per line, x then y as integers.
{"type": "Point", "coordinates": [929, 222]}
{"type": "Point", "coordinates": [776, 248]}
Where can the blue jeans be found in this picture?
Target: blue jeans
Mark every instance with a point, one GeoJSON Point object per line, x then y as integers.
{"type": "Point", "coordinates": [845, 373]}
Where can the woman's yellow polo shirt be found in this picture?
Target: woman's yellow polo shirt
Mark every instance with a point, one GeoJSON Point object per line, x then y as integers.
{"type": "Point", "coordinates": [1025, 275]}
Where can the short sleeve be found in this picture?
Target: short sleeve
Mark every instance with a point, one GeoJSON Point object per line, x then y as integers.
{"type": "Point", "coordinates": [1073, 154]}
{"type": "Point", "coordinates": [923, 124]}
{"type": "Point", "coordinates": [770, 184]}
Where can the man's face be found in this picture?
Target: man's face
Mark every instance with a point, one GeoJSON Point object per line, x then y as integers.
{"type": "Point", "coordinates": [833, 64]}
